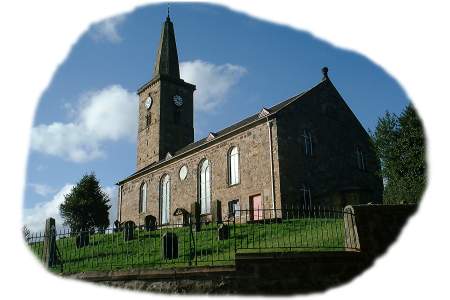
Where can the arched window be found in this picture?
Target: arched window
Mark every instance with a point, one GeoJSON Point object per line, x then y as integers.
{"type": "Point", "coordinates": [143, 198]}
{"type": "Point", "coordinates": [360, 159]}
{"type": "Point", "coordinates": [305, 197]}
{"type": "Point", "coordinates": [205, 186]}
{"type": "Point", "coordinates": [233, 166]}
{"type": "Point", "coordinates": [165, 199]}
{"type": "Point", "coordinates": [307, 137]}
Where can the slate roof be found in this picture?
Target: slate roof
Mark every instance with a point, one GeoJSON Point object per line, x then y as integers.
{"type": "Point", "coordinates": [167, 56]}
{"type": "Point", "coordinates": [204, 141]}
{"type": "Point", "coordinates": [237, 125]}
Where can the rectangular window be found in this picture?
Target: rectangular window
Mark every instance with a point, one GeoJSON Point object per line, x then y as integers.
{"type": "Point", "coordinates": [233, 208]}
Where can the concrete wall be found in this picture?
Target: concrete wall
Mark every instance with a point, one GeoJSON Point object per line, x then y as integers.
{"type": "Point", "coordinates": [255, 176]}
{"type": "Point", "coordinates": [332, 171]}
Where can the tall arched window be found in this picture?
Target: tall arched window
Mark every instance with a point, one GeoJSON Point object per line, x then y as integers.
{"type": "Point", "coordinates": [165, 199]}
{"type": "Point", "coordinates": [143, 198]}
{"type": "Point", "coordinates": [233, 166]}
{"type": "Point", "coordinates": [307, 137]}
{"type": "Point", "coordinates": [205, 187]}
{"type": "Point", "coordinates": [360, 159]}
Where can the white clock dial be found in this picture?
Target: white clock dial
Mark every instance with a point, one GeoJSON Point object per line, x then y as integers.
{"type": "Point", "coordinates": [148, 102]}
{"type": "Point", "coordinates": [178, 100]}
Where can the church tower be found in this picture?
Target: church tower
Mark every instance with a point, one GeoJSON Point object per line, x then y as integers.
{"type": "Point", "coordinates": [166, 108]}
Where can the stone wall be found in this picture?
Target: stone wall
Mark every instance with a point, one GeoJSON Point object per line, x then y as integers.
{"type": "Point", "coordinates": [169, 128]}
{"type": "Point", "coordinates": [254, 274]}
{"type": "Point", "coordinates": [332, 171]}
{"type": "Point", "coordinates": [255, 176]}
{"type": "Point", "coordinates": [378, 226]}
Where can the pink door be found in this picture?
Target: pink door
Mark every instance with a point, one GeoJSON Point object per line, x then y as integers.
{"type": "Point", "coordinates": [256, 206]}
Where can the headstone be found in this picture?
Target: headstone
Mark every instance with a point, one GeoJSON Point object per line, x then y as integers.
{"type": "Point", "coordinates": [116, 226]}
{"type": "Point", "coordinates": [128, 230]}
{"type": "Point", "coordinates": [223, 232]}
{"type": "Point", "coordinates": [195, 216]}
{"type": "Point", "coordinates": [150, 223]}
{"type": "Point", "coordinates": [49, 251]}
{"type": "Point", "coordinates": [170, 245]}
{"type": "Point", "coordinates": [216, 212]}
{"type": "Point", "coordinates": [82, 239]}
{"type": "Point", "coordinates": [185, 215]}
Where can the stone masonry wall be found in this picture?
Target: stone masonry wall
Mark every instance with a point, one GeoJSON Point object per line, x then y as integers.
{"type": "Point", "coordinates": [254, 274]}
{"type": "Point", "coordinates": [378, 226]}
{"type": "Point", "coordinates": [331, 172]}
{"type": "Point", "coordinates": [255, 176]}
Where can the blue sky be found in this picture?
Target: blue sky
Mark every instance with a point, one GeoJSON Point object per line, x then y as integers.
{"type": "Point", "coordinates": [86, 118]}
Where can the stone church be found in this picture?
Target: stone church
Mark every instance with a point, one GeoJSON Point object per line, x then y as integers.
{"type": "Point", "coordinates": [308, 150]}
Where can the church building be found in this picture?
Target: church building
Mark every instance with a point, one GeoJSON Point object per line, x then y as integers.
{"type": "Point", "coordinates": [308, 150]}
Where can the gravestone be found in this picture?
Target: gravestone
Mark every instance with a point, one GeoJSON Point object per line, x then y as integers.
{"type": "Point", "coordinates": [49, 251]}
{"type": "Point", "coordinates": [184, 216]}
{"type": "Point", "coordinates": [82, 239]}
{"type": "Point", "coordinates": [223, 232]}
{"type": "Point", "coordinates": [195, 216]}
{"type": "Point", "coordinates": [128, 230]}
{"type": "Point", "coordinates": [170, 245]}
{"type": "Point", "coordinates": [216, 212]}
{"type": "Point", "coordinates": [150, 223]}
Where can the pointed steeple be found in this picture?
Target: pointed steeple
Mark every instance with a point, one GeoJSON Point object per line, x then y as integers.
{"type": "Point", "coordinates": [167, 56]}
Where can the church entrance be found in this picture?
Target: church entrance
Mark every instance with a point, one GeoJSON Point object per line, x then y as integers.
{"type": "Point", "coordinates": [256, 212]}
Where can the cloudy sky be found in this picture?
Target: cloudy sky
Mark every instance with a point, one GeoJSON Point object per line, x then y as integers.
{"type": "Point", "coordinates": [87, 117]}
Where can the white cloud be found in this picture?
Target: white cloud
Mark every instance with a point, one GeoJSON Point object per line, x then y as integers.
{"type": "Point", "coordinates": [107, 30]}
{"type": "Point", "coordinates": [109, 114]}
{"type": "Point", "coordinates": [34, 218]}
{"type": "Point", "coordinates": [42, 189]}
{"type": "Point", "coordinates": [213, 81]}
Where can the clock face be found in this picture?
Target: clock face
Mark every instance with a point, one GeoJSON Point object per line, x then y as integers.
{"type": "Point", "coordinates": [178, 100]}
{"type": "Point", "coordinates": [148, 102]}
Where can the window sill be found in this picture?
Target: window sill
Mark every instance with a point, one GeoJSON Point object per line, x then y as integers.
{"type": "Point", "coordinates": [234, 184]}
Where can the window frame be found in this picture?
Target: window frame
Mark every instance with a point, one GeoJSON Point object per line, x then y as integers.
{"type": "Point", "coordinates": [360, 159]}
{"type": "Point", "coordinates": [232, 207]}
{"type": "Point", "coordinates": [204, 187]}
{"type": "Point", "coordinates": [164, 197]}
{"type": "Point", "coordinates": [142, 205]}
{"type": "Point", "coordinates": [305, 197]}
{"type": "Point", "coordinates": [307, 142]}
{"type": "Point", "coordinates": [233, 161]}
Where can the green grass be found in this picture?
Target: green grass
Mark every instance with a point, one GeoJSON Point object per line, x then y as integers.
{"type": "Point", "coordinates": [111, 252]}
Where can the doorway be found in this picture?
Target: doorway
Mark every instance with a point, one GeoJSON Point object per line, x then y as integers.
{"type": "Point", "coordinates": [256, 207]}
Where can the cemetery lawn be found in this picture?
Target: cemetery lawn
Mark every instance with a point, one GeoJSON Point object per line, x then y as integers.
{"type": "Point", "coordinates": [109, 251]}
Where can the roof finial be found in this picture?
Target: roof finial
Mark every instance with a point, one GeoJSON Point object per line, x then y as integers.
{"type": "Point", "coordinates": [325, 73]}
{"type": "Point", "coordinates": [168, 11]}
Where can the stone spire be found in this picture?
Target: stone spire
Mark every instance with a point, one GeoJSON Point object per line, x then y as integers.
{"type": "Point", "coordinates": [167, 56]}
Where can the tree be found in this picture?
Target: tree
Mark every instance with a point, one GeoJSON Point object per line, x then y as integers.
{"type": "Point", "coordinates": [400, 145]}
{"type": "Point", "coordinates": [86, 206]}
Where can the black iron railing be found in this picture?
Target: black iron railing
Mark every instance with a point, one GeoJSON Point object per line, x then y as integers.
{"type": "Point", "coordinates": [288, 229]}
{"type": "Point", "coordinates": [196, 244]}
